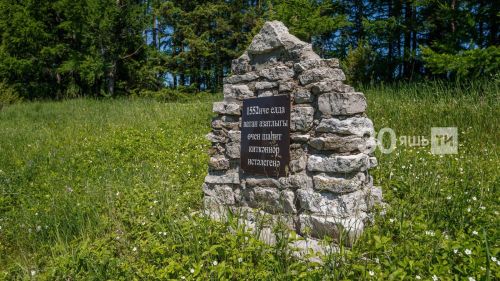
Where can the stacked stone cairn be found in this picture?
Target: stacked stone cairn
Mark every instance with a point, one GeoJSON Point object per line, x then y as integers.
{"type": "Point", "coordinates": [328, 191]}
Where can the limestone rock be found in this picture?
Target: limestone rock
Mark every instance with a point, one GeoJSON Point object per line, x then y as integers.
{"type": "Point", "coordinates": [229, 178]}
{"type": "Point", "coordinates": [286, 86]}
{"type": "Point", "coordinates": [330, 85]}
{"type": "Point", "coordinates": [233, 150]}
{"type": "Point", "coordinates": [241, 65]}
{"type": "Point", "coordinates": [315, 63]}
{"type": "Point", "coordinates": [298, 137]}
{"type": "Point", "coordinates": [338, 164]}
{"type": "Point", "coordinates": [342, 183]}
{"type": "Point", "coordinates": [221, 194]}
{"type": "Point", "coordinates": [297, 181]}
{"type": "Point", "coordinates": [359, 126]}
{"type": "Point", "coordinates": [243, 78]}
{"type": "Point", "coordinates": [341, 103]}
{"type": "Point", "coordinates": [234, 135]}
{"type": "Point", "coordinates": [276, 73]}
{"type": "Point", "coordinates": [301, 118]}
{"type": "Point", "coordinates": [319, 74]}
{"type": "Point", "coordinates": [274, 35]}
{"type": "Point", "coordinates": [333, 205]}
{"type": "Point", "coordinates": [302, 95]}
{"type": "Point", "coordinates": [340, 143]}
{"type": "Point", "coordinates": [321, 226]}
{"type": "Point", "coordinates": [217, 136]}
{"type": "Point", "coordinates": [229, 108]}
{"type": "Point", "coordinates": [218, 162]}
{"type": "Point", "coordinates": [237, 92]}
{"type": "Point", "coordinates": [270, 199]}
{"type": "Point", "coordinates": [255, 181]}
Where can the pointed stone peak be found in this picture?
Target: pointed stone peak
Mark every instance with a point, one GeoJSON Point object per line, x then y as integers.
{"type": "Point", "coordinates": [273, 35]}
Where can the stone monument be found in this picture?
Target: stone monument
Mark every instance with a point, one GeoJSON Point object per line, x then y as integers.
{"type": "Point", "coordinates": [291, 141]}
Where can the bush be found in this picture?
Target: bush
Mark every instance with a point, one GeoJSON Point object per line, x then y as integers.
{"type": "Point", "coordinates": [359, 64]}
{"type": "Point", "coordinates": [8, 94]}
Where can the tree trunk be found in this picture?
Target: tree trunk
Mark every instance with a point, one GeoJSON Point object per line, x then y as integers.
{"type": "Point", "coordinates": [407, 40]}
{"type": "Point", "coordinates": [111, 79]}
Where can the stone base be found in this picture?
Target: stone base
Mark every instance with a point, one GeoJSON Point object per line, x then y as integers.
{"type": "Point", "coordinates": [261, 224]}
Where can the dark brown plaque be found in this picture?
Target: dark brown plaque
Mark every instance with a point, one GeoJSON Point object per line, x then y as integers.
{"type": "Point", "coordinates": [265, 136]}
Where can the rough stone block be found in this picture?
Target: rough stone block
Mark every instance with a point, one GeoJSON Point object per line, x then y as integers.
{"type": "Point", "coordinates": [243, 78]}
{"type": "Point", "coordinates": [229, 178]}
{"type": "Point", "coordinates": [221, 194]}
{"type": "Point", "coordinates": [273, 35]}
{"type": "Point", "coordinates": [341, 183]}
{"type": "Point", "coordinates": [301, 118]}
{"type": "Point", "coordinates": [236, 92]}
{"type": "Point", "coordinates": [233, 150]}
{"type": "Point", "coordinates": [218, 162]}
{"type": "Point", "coordinates": [216, 136]}
{"type": "Point", "coordinates": [270, 199]}
{"type": "Point", "coordinates": [359, 126]}
{"type": "Point", "coordinates": [265, 85]}
{"type": "Point", "coordinates": [319, 74]}
{"type": "Point", "coordinates": [315, 63]}
{"type": "Point", "coordinates": [302, 95]}
{"type": "Point", "coordinates": [338, 164]}
{"type": "Point", "coordinates": [340, 143]}
{"type": "Point", "coordinates": [241, 65]}
{"type": "Point", "coordinates": [297, 181]}
{"type": "Point", "coordinates": [229, 108]}
{"type": "Point", "coordinates": [276, 73]}
{"type": "Point", "coordinates": [341, 103]}
{"type": "Point", "coordinates": [330, 86]}
{"type": "Point", "coordinates": [301, 138]}
{"type": "Point", "coordinates": [256, 181]}
{"type": "Point", "coordinates": [319, 226]}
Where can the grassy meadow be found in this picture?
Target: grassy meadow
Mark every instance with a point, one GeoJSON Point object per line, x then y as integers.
{"type": "Point", "coordinates": [111, 190]}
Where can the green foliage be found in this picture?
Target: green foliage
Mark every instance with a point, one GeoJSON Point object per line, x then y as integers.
{"type": "Point", "coordinates": [8, 95]}
{"type": "Point", "coordinates": [359, 65]}
{"type": "Point", "coordinates": [466, 64]}
{"type": "Point", "coordinates": [111, 189]}
{"type": "Point", "coordinates": [68, 49]}
{"type": "Point", "coordinates": [308, 19]}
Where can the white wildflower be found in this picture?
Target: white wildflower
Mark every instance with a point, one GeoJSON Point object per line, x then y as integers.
{"type": "Point", "coordinates": [448, 198]}
{"type": "Point", "coordinates": [371, 273]}
{"type": "Point", "coordinates": [240, 260]}
{"type": "Point", "coordinates": [468, 209]}
{"type": "Point", "coordinates": [418, 277]}
{"type": "Point", "coordinates": [472, 279]}
{"type": "Point", "coordinates": [191, 270]}
{"type": "Point", "coordinates": [468, 252]}
{"type": "Point", "coordinates": [33, 272]}
{"type": "Point", "coordinates": [474, 232]}
{"type": "Point", "coordinates": [215, 263]}
{"type": "Point", "coordinates": [392, 220]}
{"type": "Point", "coordinates": [455, 251]}
{"type": "Point", "coordinates": [474, 198]}
{"type": "Point", "coordinates": [494, 259]}
{"type": "Point", "coordinates": [134, 249]}
{"type": "Point", "coordinates": [434, 278]}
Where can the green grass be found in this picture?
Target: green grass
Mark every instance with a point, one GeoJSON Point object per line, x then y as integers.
{"type": "Point", "coordinates": [111, 189]}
